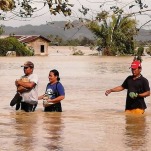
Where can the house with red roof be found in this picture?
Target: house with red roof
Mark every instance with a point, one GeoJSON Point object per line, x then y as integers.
{"type": "Point", "coordinates": [37, 43]}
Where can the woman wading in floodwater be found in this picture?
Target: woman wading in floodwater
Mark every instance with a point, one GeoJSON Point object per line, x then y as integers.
{"type": "Point", "coordinates": [54, 93]}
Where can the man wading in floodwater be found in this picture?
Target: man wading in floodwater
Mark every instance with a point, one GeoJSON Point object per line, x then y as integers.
{"type": "Point", "coordinates": [137, 89]}
{"type": "Point", "coordinates": [27, 91]}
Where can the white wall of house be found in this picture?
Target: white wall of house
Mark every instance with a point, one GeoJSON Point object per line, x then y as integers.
{"type": "Point", "coordinates": [40, 46]}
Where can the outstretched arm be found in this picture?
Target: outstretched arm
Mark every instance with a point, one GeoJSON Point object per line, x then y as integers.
{"type": "Point", "coordinates": [116, 89]}
{"type": "Point", "coordinates": [41, 97]}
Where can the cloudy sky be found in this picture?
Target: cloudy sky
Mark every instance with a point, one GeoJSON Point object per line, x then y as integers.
{"type": "Point", "coordinates": [43, 16]}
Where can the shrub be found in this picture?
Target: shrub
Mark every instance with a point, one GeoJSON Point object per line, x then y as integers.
{"type": "Point", "coordinates": [12, 44]}
{"type": "Point", "coordinates": [140, 51]}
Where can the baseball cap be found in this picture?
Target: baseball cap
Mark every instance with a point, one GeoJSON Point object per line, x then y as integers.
{"type": "Point", "coordinates": [28, 64]}
{"type": "Point", "coordinates": [135, 65]}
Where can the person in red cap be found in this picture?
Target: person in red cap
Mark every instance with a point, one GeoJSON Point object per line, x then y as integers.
{"type": "Point", "coordinates": [137, 89]}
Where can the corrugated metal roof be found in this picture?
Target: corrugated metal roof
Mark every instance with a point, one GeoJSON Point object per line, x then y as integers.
{"type": "Point", "coordinates": [29, 38]}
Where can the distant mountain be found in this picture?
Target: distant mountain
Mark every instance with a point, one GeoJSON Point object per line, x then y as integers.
{"type": "Point", "coordinates": [143, 35]}
{"type": "Point", "coordinates": [57, 28]}
{"type": "Point", "coordinates": [54, 28]}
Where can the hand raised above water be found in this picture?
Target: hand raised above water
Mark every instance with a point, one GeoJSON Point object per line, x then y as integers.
{"type": "Point", "coordinates": [108, 92]}
{"type": "Point", "coordinates": [133, 95]}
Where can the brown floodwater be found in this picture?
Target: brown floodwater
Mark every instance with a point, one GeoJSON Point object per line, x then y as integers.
{"type": "Point", "coordinates": [90, 121]}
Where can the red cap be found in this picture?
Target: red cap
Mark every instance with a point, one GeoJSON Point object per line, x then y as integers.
{"type": "Point", "coordinates": [135, 65]}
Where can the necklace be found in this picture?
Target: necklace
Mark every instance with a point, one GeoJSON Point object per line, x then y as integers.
{"type": "Point", "coordinates": [136, 77]}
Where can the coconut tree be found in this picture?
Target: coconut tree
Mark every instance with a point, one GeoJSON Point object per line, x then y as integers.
{"type": "Point", "coordinates": [115, 34]}
{"type": "Point", "coordinates": [123, 31]}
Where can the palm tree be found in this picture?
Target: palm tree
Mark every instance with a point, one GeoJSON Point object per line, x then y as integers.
{"type": "Point", "coordinates": [116, 34]}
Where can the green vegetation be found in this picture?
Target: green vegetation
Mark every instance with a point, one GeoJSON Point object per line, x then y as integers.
{"type": "Point", "coordinates": [12, 44]}
{"type": "Point", "coordinates": [114, 35]}
{"type": "Point", "coordinates": [1, 30]}
{"type": "Point", "coordinates": [79, 42]}
{"type": "Point", "coordinates": [58, 41]}
{"type": "Point", "coordinates": [26, 8]}
{"type": "Point", "coordinates": [140, 51]}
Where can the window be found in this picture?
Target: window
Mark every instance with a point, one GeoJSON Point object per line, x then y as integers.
{"type": "Point", "coordinates": [42, 50]}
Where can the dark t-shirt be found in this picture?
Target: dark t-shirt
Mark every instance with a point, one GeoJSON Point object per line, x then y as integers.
{"type": "Point", "coordinates": [139, 85]}
{"type": "Point", "coordinates": [55, 90]}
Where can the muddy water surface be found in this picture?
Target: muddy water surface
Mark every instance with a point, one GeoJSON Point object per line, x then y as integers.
{"type": "Point", "coordinates": [90, 121]}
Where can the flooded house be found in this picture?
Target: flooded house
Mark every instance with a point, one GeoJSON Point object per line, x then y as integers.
{"type": "Point", "coordinates": [37, 43]}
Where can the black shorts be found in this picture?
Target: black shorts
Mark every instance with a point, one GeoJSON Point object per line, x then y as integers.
{"type": "Point", "coordinates": [28, 107]}
{"type": "Point", "coordinates": [53, 108]}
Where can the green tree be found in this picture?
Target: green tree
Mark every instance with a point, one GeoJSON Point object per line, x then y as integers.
{"type": "Point", "coordinates": [58, 40]}
{"type": "Point", "coordinates": [140, 51]}
{"type": "Point", "coordinates": [115, 35]}
{"type": "Point", "coordinates": [72, 42]}
{"type": "Point", "coordinates": [55, 40]}
{"type": "Point", "coordinates": [86, 41]}
{"type": "Point", "coordinates": [1, 30]}
{"type": "Point", "coordinates": [27, 8]}
{"type": "Point", "coordinates": [12, 44]}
